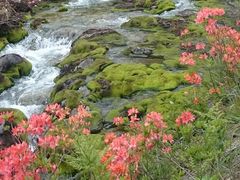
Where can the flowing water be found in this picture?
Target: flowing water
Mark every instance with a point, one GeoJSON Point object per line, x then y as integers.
{"type": "Point", "coordinates": [52, 42]}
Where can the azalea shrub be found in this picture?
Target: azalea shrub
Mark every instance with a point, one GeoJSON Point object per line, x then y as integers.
{"type": "Point", "coordinates": [215, 61]}
{"type": "Point", "coordinates": [43, 140]}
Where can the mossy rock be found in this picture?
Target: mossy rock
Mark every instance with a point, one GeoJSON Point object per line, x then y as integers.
{"type": "Point", "coordinates": [5, 84]}
{"type": "Point", "coordinates": [126, 79]}
{"type": "Point", "coordinates": [111, 39]}
{"type": "Point", "coordinates": [63, 9]}
{"type": "Point", "coordinates": [16, 35]}
{"type": "Point", "coordinates": [3, 43]}
{"type": "Point", "coordinates": [163, 5]}
{"type": "Point", "coordinates": [69, 98]}
{"type": "Point", "coordinates": [82, 49]}
{"type": "Point", "coordinates": [165, 45]}
{"type": "Point", "coordinates": [142, 22]}
{"type": "Point", "coordinates": [18, 70]}
{"type": "Point", "coordinates": [18, 115]}
{"type": "Point", "coordinates": [155, 6]}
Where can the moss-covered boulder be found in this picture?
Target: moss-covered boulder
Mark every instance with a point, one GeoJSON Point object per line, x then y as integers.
{"type": "Point", "coordinates": [37, 22]}
{"type": "Point", "coordinates": [143, 23]}
{"type": "Point", "coordinates": [163, 5]}
{"type": "Point", "coordinates": [12, 66]}
{"type": "Point", "coordinates": [82, 49]}
{"type": "Point", "coordinates": [125, 79]}
{"type": "Point", "coordinates": [3, 43]}
{"type": "Point", "coordinates": [16, 35]}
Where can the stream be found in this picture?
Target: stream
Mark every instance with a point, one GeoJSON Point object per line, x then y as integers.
{"type": "Point", "coordinates": [51, 42]}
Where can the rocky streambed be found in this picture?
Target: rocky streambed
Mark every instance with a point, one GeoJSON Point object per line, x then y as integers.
{"type": "Point", "coordinates": [109, 56]}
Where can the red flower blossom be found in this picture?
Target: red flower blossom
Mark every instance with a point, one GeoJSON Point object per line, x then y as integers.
{"type": "Point", "coordinates": [193, 78]}
{"type": "Point", "coordinates": [184, 32]}
{"type": "Point", "coordinates": [49, 141]}
{"type": "Point", "coordinates": [132, 111]}
{"type": "Point", "coordinates": [109, 137]}
{"type": "Point", "coordinates": [187, 59]}
{"type": "Point", "coordinates": [57, 110]}
{"type": "Point", "coordinates": [200, 46]}
{"type": "Point", "coordinates": [205, 13]}
{"type": "Point", "coordinates": [214, 91]}
{"type": "Point", "coordinates": [185, 118]}
{"type": "Point", "coordinates": [86, 131]}
{"type": "Point", "coordinates": [15, 162]}
{"type": "Point", "coordinates": [203, 56]}
{"type": "Point", "coordinates": [167, 138]}
{"type": "Point", "coordinates": [118, 121]}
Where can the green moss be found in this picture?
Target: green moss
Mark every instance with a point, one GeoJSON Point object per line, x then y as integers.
{"type": "Point", "coordinates": [3, 43]}
{"type": "Point", "coordinates": [16, 35]}
{"type": "Point", "coordinates": [18, 70]}
{"type": "Point", "coordinates": [163, 5]}
{"type": "Point", "coordinates": [97, 66]}
{"type": "Point", "coordinates": [62, 9]}
{"type": "Point", "coordinates": [125, 79]}
{"type": "Point", "coordinates": [5, 84]}
{"type": "Point", "coordinates": [70, 98]}
{"type": "Point", "coordinates": [165, 45]}
{"type": "Point", "coordinates": [82, 49]}
{"type": "Point", "coordinates": [159, 5]}
{"type": "Point", "coordinates": [142, 22]}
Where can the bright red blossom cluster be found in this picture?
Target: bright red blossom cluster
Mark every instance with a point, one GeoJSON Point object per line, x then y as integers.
{"type": "Point", "coordinates": [193, 78]}
{"type": "Point", "coordinates": [15, 162]}
{"type": "Point", "coordinates": [205, 13]}
{"type": "Point", "coordinates": [185, 118]}
{"type": "Point", "coordinates": [125, 151]}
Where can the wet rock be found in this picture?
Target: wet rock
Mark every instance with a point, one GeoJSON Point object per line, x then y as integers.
{"type": "Point", "coordinates": [172, 25]}
{"type": "Point", "coordinates": [141, 52]}
{"type": "Point", "coordinates": [1, 77]}
{"type": "Point", "coordinates": [6, 137]}
{"type": "Point", "coordinates": [105, 86]}
{"type": "Point", "coordinates": [9, 60]}
{"type": "Point", "coordinates": [66, 32]}
{"type": "Point", "coordinates": [186, 13]}
{"type": "Point", "coordinates": [20, 6]}
{"type": "Point", "coordinates": [37, 22]}
{"type": "Point", "coordinates": [76, 66]}
{"type": "Point", "coordinates": [90, 33]}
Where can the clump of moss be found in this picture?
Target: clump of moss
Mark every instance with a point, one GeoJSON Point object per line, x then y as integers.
{"type": "Point", "coordinates": [82, 49]}
{"type": "Point", "coordinates": [126, 79]}
{"type": "Point", "coordinates": [16, 35]}
{"type": "Point", "coordinates": [3, 43]}
{"type": "Point", "coordinates": [63, 9]}
{"type": "Point", "coordinates": [156, 6]}
{"type": "Point", "coordinates": [22, 69]}
{"type": "Point", "coordinates": [163, 5]}
{"type": "Point", "coordinates": [142, 22]}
